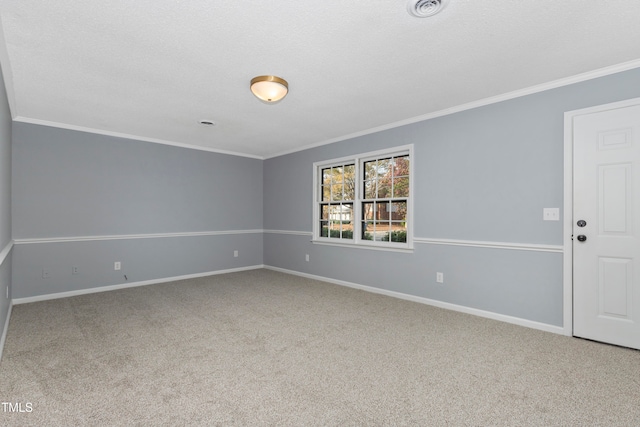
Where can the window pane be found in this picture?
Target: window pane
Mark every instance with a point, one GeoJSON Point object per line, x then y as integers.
{"type": "Point", "coordinates": [324, 212]}
{"type": "Point", "coordinates": [398, 232]}
{"type": "Point", "coordinates": [347, 230]}
{"type": "Point", "coordinates": [326, 176]}
{"type": "Point", "coordinates": [370, 170]}
{"type": "Point", "coordinates": [336, 192]}
{"type": "Point", "coordinates": [401, 166]}
{"type": "Point", "coordinates": [349, 192]}
{"type": "Point", "coordinates": [350, 182]}
{"type": "Point", "coordinates": [398, 210]}
{"type": "Point", "coordinates": [326, 193]}
{"type": "Point", "coordinates": [382, 211]}
{"type": "Point", "coordinates": [336, 174]}
{"type": "Point", "coordinates": [367, 229]}
{"type": "Point", "coordinates": [347, 212]}
{"type": "Point", "coordinates": [334, 212]}
{"type": "Point", "coordinates": [382, 174]}
{"type": "Point", "coordinates": [370, 189]}
{"type": "Point", "coordinates": [384, 167]}
{"type": "Point", "coordinates": [384, 187]}
{"type": "Point", "coordinates": [324, 229]}
{"type": "Point", "coordinates": [382, 231]}
{"type": "Point", "coordinates": [401, 187]}
{"type": "Point", "coordinates": [399, 225]}
{"type": "Point", "coordinates": [367, 210]}
{"type": "Point", "coordinates": [384, 178]}
{"type": "Point", "coordinates": [334, 229]}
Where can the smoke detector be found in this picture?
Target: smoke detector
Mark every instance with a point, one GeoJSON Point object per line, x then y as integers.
{"type": "Point", "coordinates": [425, 8]}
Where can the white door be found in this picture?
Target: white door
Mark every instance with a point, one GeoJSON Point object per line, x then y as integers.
{"type": "Point", "coordinates": [606, 226]}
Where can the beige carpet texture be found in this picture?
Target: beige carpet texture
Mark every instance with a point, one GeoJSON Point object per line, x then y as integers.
{"type": "Point", "coordinates": [263, 348]}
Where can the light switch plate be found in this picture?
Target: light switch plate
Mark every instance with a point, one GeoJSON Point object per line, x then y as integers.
{"type": "Point", "coordinates": [551, 214]}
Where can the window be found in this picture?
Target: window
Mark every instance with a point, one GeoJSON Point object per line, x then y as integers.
{"type": "Point", "coordinates": [337, 195]}
{"type": "Point", "coordinates": [364, 200]}
{"type": "Point", "coordinates": [386, 193]}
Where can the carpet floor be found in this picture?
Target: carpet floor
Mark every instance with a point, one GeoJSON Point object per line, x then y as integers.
{"type": "Point", "coordinates": [264, 348]}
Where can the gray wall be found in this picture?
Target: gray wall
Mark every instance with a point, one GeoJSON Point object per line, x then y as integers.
{"type": "Point", "coordinates": [5, 201]}
{"type": "Point", "coordinates": [484, 175]}
{"type": "Point", "coordinates": [70, 184]}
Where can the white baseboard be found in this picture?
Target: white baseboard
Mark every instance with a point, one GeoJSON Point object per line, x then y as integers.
{"type": "Point", "coordinates": [5, 329]}
{"type": "Point", "coordinates": [463, 309]}
{"type": "Point", "coordinates": [129, 285]}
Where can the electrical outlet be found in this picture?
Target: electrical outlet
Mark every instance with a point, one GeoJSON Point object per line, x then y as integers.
{"type": "Point", "coordinates": [439, 277]}
{"type": "Point", "coordinates": [235, 254]}
{"type": "Point", "coordinates": [306, 257]}
{"type": "Point", "coordinates": [45, 273]}
{"type": "Point", "coordinates": [117, 265]}
{"type": "Point", "coordinates": [74, 270]}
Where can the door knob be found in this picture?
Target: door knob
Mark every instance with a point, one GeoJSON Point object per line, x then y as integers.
{"type": "Point", "coordinates": [582, 223]}
{"type": "Point", "coordinates": [582, 238]}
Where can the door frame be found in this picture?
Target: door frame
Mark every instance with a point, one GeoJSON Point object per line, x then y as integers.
{"type": "Point", "coordinates": [567, 228]}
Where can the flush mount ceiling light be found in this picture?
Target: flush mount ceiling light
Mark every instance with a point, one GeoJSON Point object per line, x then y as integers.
{"type": "Point", "coordinates": [425, 8]}
{"type": "Point", "coordinates": [269, 89]}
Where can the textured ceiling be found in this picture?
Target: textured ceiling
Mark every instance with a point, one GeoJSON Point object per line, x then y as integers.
{"type": "Point", "coordinates": [151, 69]}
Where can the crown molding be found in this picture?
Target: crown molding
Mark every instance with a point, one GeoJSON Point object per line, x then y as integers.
{"type": "Point", "coordinates": [22, 119]}
{"type": "Point", "coordinates": [602, 72]}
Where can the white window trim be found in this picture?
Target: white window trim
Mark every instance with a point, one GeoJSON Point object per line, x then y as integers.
{"type": "Point", "coordinates": [357, 241]}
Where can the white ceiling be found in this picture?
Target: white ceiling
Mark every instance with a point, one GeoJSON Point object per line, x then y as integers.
{"type": "Point", "coordinates": [151, 69]}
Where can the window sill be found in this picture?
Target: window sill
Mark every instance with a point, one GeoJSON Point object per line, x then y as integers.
{"type": "Point", "coordinates": [404, 249]}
